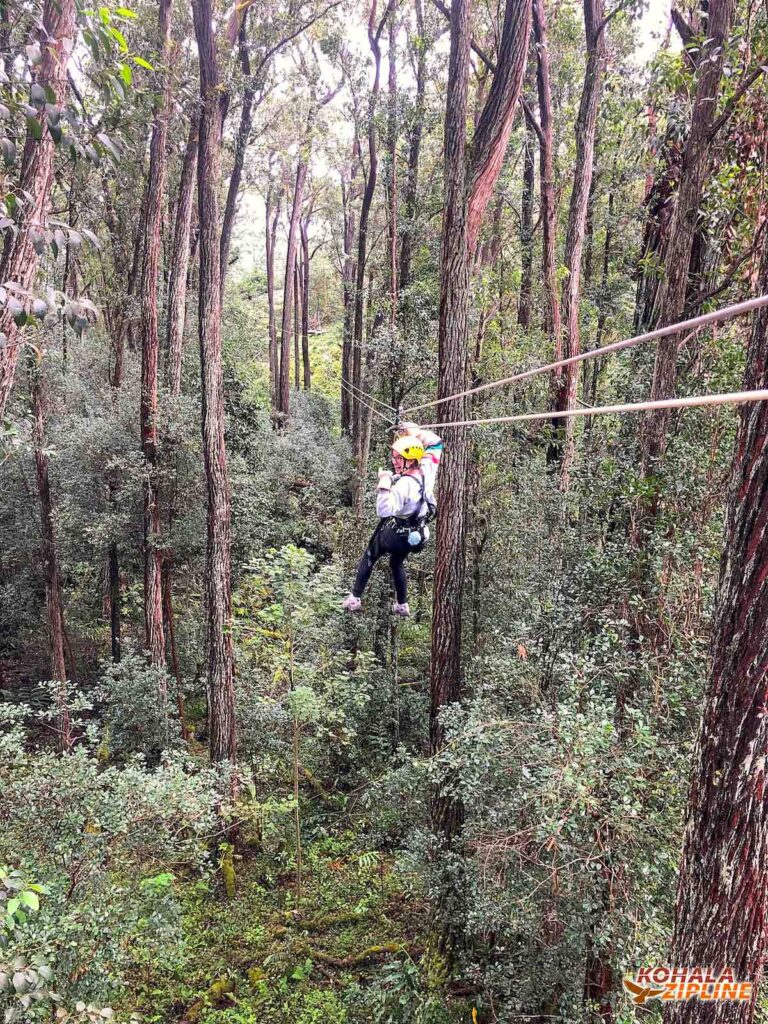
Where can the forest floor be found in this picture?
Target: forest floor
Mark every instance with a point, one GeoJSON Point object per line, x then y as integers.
{"type": "Point", "coordinates": [260, 954]}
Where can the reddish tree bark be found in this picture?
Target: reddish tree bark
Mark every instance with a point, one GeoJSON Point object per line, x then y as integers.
{"type": "Point", "coordinates": [447, 810]}
{"type": "Point", "coordinates": [489, 143]}
{"type": "Point", "coordinates": [445, 666]}
{"type": "Point", "coordinates": [52, 574]}
{"type": "Point", "coordinates": [526, 231]}
{"type": "Point", "coordinates": [150, 352]}
{"type": "Point", "coordinates": [694, 168]}
{"type": "Point", "coordinates": [722, 896]}
{"type": "Point", "coordinates": [561, 449]}
{"type": "Point", "coordinates": [180, 253]}
{"type": "Point", "coordinates": [218, 568]}
{"type": "Point", "coordinates": [19, 263]}
{"type": "Point", "coordinates": [547, 180]}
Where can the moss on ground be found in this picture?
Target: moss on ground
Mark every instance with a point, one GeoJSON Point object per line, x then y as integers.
{"type": "Point", "coordinates": [256, 955]}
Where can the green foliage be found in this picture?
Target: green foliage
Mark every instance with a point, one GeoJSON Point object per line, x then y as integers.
{"type": "Point", "coordinates": [136, 717]}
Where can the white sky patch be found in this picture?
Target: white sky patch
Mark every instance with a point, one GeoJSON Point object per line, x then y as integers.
{"type": "Point", "coordinates": [652, 29]}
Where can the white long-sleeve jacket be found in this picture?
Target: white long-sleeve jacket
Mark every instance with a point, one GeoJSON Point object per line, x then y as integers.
{"type": "Point", "coordinates": [401, 495]}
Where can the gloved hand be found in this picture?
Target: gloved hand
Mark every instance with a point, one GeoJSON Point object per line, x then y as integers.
{"type": "Point", "coordinates": [385, 480]}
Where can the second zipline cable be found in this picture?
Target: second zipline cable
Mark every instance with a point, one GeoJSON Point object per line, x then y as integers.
{"type": "Point", "coordinates": [364, 394]}
{"type": "Point", "coordinates": [372, 408]}
{"type": "Point", "coordinates": [617, 346]}
{"type": "Point", "coordinates": [732, 398]}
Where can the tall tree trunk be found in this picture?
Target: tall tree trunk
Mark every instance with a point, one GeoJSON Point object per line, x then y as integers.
{"type": "Point", "coordinates": [725, 851]}
{"type": "Point", "coordinates": [467, 190]}
{"type": "Point", "coordinates": [241, 145]}
{"type": "Point", "coordinates": [296, 320]}
{"type": "Point", "coordinates": [494, 127]}
{"type": "Point", "coordinates": [526, 231]}
{"type": "Point", "coordinates": [392, 154]}
{"type": "Point", "coordinates": [695, 166]}
{"type": "Point", "coordinates": [284, 392]}
{"type": "Point", "coordinates": [349, 277]}
{"type": "Point", "coordinates": [274, 201]}
{"type": "Point", "coordinates": [53, 601]}
{"type": "Point", "coordinates": [561, 448]}
{"type": "Point", "coordinates": [19, 263]}
{"type": "Point", "coordinates": [114, 602]}
{"type": "Point", "coordinates": [445, 664]}
{"type": "Point", "coordinates": [180, 252]}
{"type": "Point", "coordinates": [218, 567]}
{"type": "Point", "coordinates": [305, 301]}
{"type": "Point", "coordinates": [150, 351]}
{"type": "Point", "coordinates": [547, 181]}
{"type": "Point", "coordinates": [123, 321]}
{"type": "Point", "coordinates": [374, 40]}
{"type": "Point", "coordinates": [414, 153]}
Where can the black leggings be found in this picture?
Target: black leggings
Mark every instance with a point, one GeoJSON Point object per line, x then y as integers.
{"type": "Point", "coordinates": [386, 541]}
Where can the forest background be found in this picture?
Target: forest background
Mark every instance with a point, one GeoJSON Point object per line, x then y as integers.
{"type": "Point", "coordinates": [223, 800]}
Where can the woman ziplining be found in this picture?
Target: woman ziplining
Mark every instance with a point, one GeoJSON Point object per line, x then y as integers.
{"type": "Point", "coordinates": [405, 504]}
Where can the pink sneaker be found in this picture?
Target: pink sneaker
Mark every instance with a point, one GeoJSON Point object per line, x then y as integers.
{"type": "Point", "coordinates": [401, 609]}
{"type": "Point", "coordinates": [351, 603]}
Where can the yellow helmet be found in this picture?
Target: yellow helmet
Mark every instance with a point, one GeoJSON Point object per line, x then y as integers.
{"type": "Point", "coordinates": [409, 447]}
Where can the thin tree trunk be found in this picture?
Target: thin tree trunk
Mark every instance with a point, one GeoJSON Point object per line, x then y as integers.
{"type": "Point", "coordinates": [724, 862]}
{"type": "Point", "coordinates": [114, 590]}
{"type": "Point", "coordinates": [53, 601]}
{"type": "Point", "coordinates": [19, 263]}
{"type": "Point", "coordinates": [171, 630]}
{"type": "Point", "coordinates": [414, 153]}
{"type": "Point", "coordinates": [123, 320]}
{"type": "Point", "coordinates": [392, 152]}
{"type": "Point", "coordinates": [218, 568]}
{"type": "Point", "coordinates": [241, 145]}
{"type": "Point", "coordinates": [547, 181]}
{"type": "Point", "coordinates": [272, 221]}
{"type": "Point", "coordinates": [150, 352]}
{"type": "Point", "coordinates": [284, 391]}
{"type": "Point", "coordinates": [562, 446]}
{"type": "Point", "coordinates": [349, 277]}
{"type": "Point", "coordinates": [526, 231]}
{"type": "Point", "coordinates": [305, 301]}
{"type": "Point", "coordinates": [296, 321]}
{"type": "Point", "coordinates": [374, 39]}
{"type": "Point", "coordinates": [695, 167]}
{"type": "Point", "coordinates": [179, 262]}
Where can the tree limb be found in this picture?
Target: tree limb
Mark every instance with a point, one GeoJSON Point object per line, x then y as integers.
{"type": "Point", "coordinates": [732, 103]}
{"type": "Point", "coordinates": [446, 13]}
{"type": "Point", "coordinates": [292, 35]}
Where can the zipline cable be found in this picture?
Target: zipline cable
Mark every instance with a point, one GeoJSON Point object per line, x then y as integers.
{"type": "Point", "coordinates": [733, 398]}
{"type": "Point", "coordinates": [617, 346]}
{"type": "Point", "coordinates": [364, 394]}
{"type": "Point", "coordinates": [372, 408]}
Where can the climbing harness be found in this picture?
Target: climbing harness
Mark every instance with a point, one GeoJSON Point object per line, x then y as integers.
{"type": "Point", "coordinates": [415, 526]}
